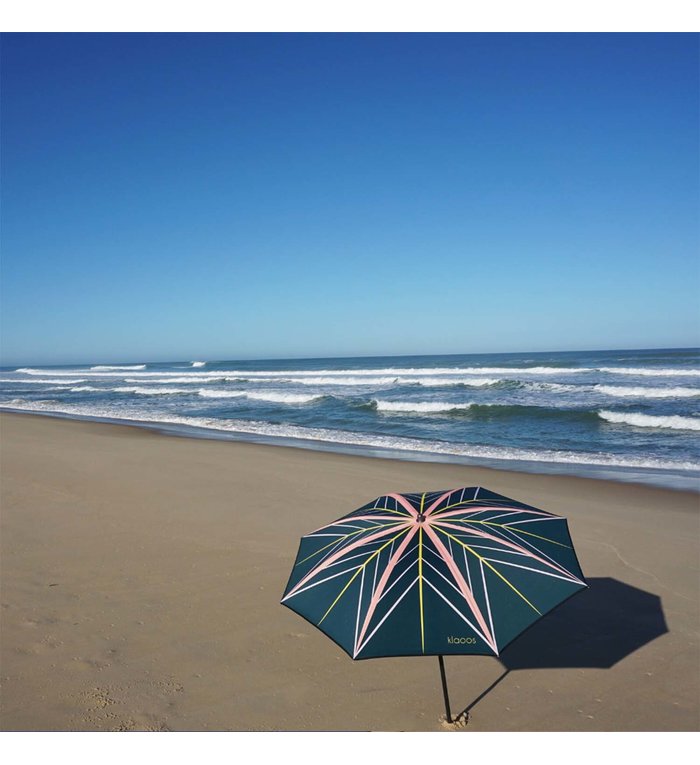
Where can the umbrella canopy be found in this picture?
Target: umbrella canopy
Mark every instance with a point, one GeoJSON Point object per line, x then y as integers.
{"type": "Point", "coordinates": [443, 572]}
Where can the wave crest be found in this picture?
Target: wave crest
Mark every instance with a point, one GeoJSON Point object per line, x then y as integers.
{"type": "Point", "coordinates": [107, 367]}
{"type": "Point", "coordinates": [673, 422]}
{"type": "Point", "coordinates": [61, 381]}
{"type": "Point", "coordinates": [641, 392]}
{"type": "Point", "coordinates": [272, 397]}
{"type": "Point", "coordinates": [429, 407]}
{"type": "Point", "coordinates": [659, 372]}
{"type": "Point", "coordinates": [352, 438]}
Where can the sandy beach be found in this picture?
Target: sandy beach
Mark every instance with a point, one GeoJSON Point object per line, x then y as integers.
{"type": "Point", "coordinates": [142, 573]}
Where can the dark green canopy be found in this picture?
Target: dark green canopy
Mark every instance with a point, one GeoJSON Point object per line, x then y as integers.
{"type": "Point", "coordinates": [443, 572]}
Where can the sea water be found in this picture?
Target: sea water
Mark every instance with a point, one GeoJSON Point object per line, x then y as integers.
{"type": "Point", "coordinates": [626, 415]}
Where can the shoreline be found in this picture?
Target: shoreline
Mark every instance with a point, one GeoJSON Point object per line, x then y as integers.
{"type": "Point", "coordinates": [660, 478]}
{"type": "Point", "coordinates": [142, 572]}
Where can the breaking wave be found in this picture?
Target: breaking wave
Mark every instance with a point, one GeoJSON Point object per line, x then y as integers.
{"type": "Point", "coordinates": [272, 397]}
{"type": "Point", "coordinates": [649, 372]}
{"type": "Point", "coordinates": [148, 391]}
{"type": "Point", "coordinates": [40, 382]}
{"type": "Point", "coordinates": [424, 407]}
{"type": "Point", "coordinates": [352, 438]}
{"type": "Point", "coordinates": [284, 398]}
{"type": "Point", "coordinates": [193, 379]}
{"type": "Point", "coordinates": [641, 392]}
{"type": "Point", "coordinates": [140, 391]}
{"type": "Point", "coordinates": [198, 363]}
{"type": "Point", "coordinates": [106, 367]}
{"type": "Point", "coordinates": [204, 393]}
{"type": "Point", "coordinates": [673, 422]}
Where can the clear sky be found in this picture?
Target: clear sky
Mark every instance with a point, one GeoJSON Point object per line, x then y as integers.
{"type": "Point", "coordinates": [255, 196]}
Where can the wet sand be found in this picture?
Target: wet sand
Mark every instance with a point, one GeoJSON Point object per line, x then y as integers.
{"type": "Point", "coordinates": [141, 576]}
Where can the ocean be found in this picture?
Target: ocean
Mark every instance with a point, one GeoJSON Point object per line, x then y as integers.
{"type": "Point", "coordinates": [623, 415]}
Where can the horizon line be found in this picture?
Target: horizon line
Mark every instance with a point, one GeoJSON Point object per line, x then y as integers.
{"type": "Point", "coordinates": [371, 356]}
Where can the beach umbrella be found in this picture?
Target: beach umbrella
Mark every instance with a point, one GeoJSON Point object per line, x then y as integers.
{"type": "Point", "coordinates": [436, 573]}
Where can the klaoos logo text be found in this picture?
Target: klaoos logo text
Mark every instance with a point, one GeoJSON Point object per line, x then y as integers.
{"type": "Point", "coordinates": [462, 640]}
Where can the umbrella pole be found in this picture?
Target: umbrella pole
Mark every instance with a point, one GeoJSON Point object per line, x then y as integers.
{"type": "Point", "coordinates": [444, 689]}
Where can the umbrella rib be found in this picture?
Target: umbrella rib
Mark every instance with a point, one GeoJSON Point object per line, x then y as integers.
{"type": "Point", "coordinates": [359, 603]}
{"type": "Point", "coordinates": [340, 522]}
{"type": "Point", "coordinates": [462, 616]}
{"type": "Point", "coordinates": [498, 573]}
{"type": "Point", "coordinates": [488, 601]}
{"type": "Point", "coordinates": [328, 578]}
{"type": "Point", "coordinates": [361, 568]}
{"type": "Point", "coordinates": [528, 568]}
{"type": "Point", "coordinates": [442, 576]}
{"type": "Point", "coordinates": [467, 502]}
{"type": "Point", "coordinates": [456, 589]}
{"type": "Point", "coordinates": [395, 582]}
{"type": "Point", "coordinates": [559, 567]}
{"type": "Point", "coordinates": [420, 570]}
{"type": "Point", "coordinates": [552, 562]}
{"type": "Point", "coordinates": [508, 543]}
{"type": "Point", "coordinates": [343, 538]}
{"type": "Point", "coordinates": [517, 531]}
{"type": "Point", "coordinates": [508, 511]}
{"type": "Point", "coordinates": [385, 617]}
{"type": "Point", "coordinates": [420, 582]}
{"type": "Point", "coordinates": [467, 593]}
{"type": "Point", "coordinates": [466, 565]}
{"type": "Point", "coordinates": [377, 593]}
{"type": "Point", "coordinates": [535, 520]}
{"type": "Point", "coordinates": [339, 553]}
{"type": "Point", "coordinates": [401, 500]}
{"type": "Point", "coordinates": [432, 507]}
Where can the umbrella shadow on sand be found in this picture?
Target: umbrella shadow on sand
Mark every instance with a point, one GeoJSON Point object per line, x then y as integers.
{"type": "Point", "coordinates": [596, 629]}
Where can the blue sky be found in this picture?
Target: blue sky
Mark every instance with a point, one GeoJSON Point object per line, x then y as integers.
{"type": "Point", "coordinates": [256, 196]}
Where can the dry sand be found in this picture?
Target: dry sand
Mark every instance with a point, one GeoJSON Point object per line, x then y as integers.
{"type": "Point", "coordinates": [141, 578]}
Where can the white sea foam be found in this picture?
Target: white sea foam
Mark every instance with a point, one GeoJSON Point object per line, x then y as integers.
{"type": "Point", "coordinates": [348, 381]}
{"type": "Point", "coordinates": [328, 435]}
{"type": "Point", "coordinates": [650, 372]}
{"type": "Point", "coordinates": [471, 382]}
{"type": "Point", "coordinates": [271, 396]}
{"type": "Point", "coordinates": [394, 372]}
{"type": "Point", "coordinates": [204, 393]}
{"type": "Point", "coordinates": [674, 422]}
{"type": "Point", "coordinates": [295, 377]}
{"type": "Point", "coordinates": [284, 398]}
{"type": "Point", "coordinates": [148, 391]}
{"type": "Point", "coordinates": [90, 372]}
{"type": "Point", "coordinates": [198, 363]}
{"type": "Point", "coordinates": [418, 406]}
{"type": "Point", "coordinates": [449, 373]}
{"type": "Point", "coordinates": [554, 387]}
{"type": "Point", "coordinates": [106, 367]}
{"type": "Point", "coordinates": [21, 381]}
{"type": "Point", "coordinates": [641, 392]}
{"type": "Point", "coordinates": [194, 379]}
{"type": "Point", "coordinates": [444, 374]}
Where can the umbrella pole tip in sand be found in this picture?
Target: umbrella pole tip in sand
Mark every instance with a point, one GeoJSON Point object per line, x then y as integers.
{"type": "Point", "coordinates": [444, 689]}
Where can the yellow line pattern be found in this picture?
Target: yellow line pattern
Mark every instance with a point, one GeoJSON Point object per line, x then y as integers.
{"type": "Point", "coordinates": [510, 528]}
{"type": "Point", "coordinates": [420, 587]}
{"type": "Point", "coordinates": [494, 502]}
{"type": "Point", "coordinates": [361, 568]}
{"type": "Point", "coordinates": [347, 536]}
{"type": "Point", "coordinates": [485, 562]}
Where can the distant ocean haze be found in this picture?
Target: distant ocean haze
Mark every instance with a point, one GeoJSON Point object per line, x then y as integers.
{"type": "Point", "coordinates": [630, 415]}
